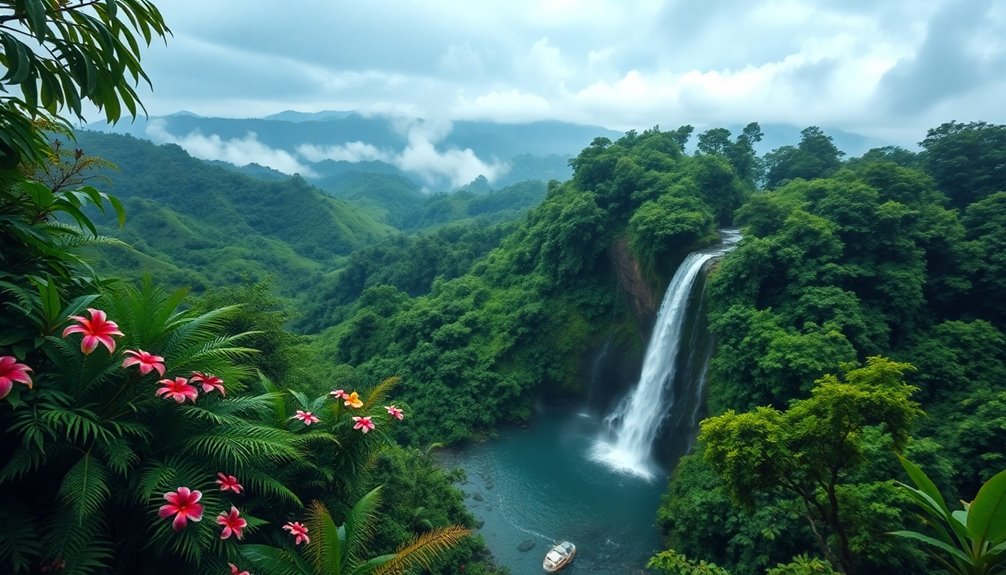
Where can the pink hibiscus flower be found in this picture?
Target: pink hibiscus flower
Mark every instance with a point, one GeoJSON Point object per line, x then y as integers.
{"type": "Point", "coordinates": [306, 416]}
{"type": "Point", "coordinates": [11, 371]}
{"type": "Point", "coordinates": [147, 362]}
{"type": "Point", "coordinates": [395, 412]}
{"type": "Point", "coordinates": [364, 424]}
{"type": "Point", "coordinates": [232, 522]}
{"type": "Point", "coordinates": [96, 330]}
{"type": "Point", "coordinates": [299, 532]}
{"type": "Point", "coordinates": [234, 570]}
{"type": "Point", "coordinates": [228, 483]}
{"type": "Point", "coordinates": [177, 389]}
{"type": "Point", "coordinates": [338, 393]}
{"type": "Point", "coordinates": [184, 505]}
{"type": "Point", "coordinates": [209, 382]}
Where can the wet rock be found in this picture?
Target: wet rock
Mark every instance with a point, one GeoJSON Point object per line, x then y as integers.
{"type": "Point", "coordinates": [526, 545]}
{"type": "Point", "coordinates": [477, 496]}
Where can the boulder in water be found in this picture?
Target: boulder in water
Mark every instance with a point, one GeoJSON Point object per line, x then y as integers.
{"type": "Point", "coordinates": [526, 545]}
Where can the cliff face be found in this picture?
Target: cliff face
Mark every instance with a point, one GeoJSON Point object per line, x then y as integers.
{"type": "Point", "coordinates": [630, 279]}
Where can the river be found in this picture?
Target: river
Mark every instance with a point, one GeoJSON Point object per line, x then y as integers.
{"type": "Point", "coordinates": [539, 483]}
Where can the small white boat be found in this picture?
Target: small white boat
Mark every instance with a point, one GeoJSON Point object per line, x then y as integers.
{"type": "Point", "coordinates": [559, 556]}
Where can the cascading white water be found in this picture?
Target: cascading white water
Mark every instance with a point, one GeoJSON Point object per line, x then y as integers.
{"type": "Point", "coordinates": [636, 420]}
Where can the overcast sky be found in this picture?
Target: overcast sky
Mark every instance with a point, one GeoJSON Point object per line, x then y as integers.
{"type": "Point", "coordinates": [889, 68]}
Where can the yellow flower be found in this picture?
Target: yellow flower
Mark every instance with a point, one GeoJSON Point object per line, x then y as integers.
{"type": "Point", "coordinates": [353, 400]}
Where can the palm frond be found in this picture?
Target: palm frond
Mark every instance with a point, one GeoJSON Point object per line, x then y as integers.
{"type": "Point", "coordinates": [327, 546]}
{"type": "Point", "coordinates": [266, 484]}
{"type": "Point", "coordinates": [360, 523]}
{"type": "Point", "coordinates": [380, 393]}
{"type": "Point", "coordinates": [85, 488]}
{"type": "Point", "coordinates": [159, 477]}
{"type": "Point", "coordinates": [276, 561]}
{"type": "Point", "coordinates": [423, 550]}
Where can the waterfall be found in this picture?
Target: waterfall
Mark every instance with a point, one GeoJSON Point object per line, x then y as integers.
{"type": "Point", "coordinates": [636, 420]}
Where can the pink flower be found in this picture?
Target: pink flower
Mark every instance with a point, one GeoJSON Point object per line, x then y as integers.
{"type": "Point", "coordinates": [299, 531]}
{"type": "Point", "coordinates": [306, 416]}
{"type": "Point", "coordinates": [364, 424]}
{"type": "Point", "coordinates": [232, 522]}
{"type": "Point", "coordinates": [11, 371]}
{"type": "Point", "coordinates": [395, 412]}
{"type": "Point", "coordinates": [208, 381]}
{"type": "Point", "coordinates": [177, 389]}
{"type": "Point", "coordinates": [146, 361]}
{"type": "Point", "coordinates": [184, 505]}
{"type": "Point", "coordinates": [338, 394]}
{"type": "Point", "coordinates": [228, 483]}
{"type": "Point", "coordinates": [96, 330]}
{"type": "Point", "coordinates": [234, 570]}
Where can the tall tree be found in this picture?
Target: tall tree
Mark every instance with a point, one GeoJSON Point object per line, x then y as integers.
{"type": "Point", "coordinates": [809, 449]}
{"type": "Point", "coordinates": [968, 161]}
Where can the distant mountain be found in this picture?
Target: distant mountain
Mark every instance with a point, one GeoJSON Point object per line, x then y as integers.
{"type": "Point", "coordinates": [437, 157]}
{"type": "Point", "coordinates": [204, 225]}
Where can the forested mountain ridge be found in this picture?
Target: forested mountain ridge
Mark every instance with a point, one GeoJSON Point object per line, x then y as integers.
{"type": "Point", "coordinates": [482, 346]}
{"type": "Point", "coordinates": [200, 224]}
{"type": "Point", "coordinates": [843, 260]}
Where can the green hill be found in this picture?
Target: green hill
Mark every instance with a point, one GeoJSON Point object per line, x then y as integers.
{"type": "Point", "coordinates": [222, 226]}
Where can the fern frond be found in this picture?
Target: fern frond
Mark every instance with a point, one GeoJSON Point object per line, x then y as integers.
{"type": "Point", "coordinates": [82, 241]}
{"type": "Point", "coordinates": [423, 550]}
{"type": "Point", "coordinates": [20, 540]}
{"type": "Point", "coordinates": [380, 393]}
{"type": "Point", "coordinates": [239, 446]}
{"type": "Point", "coordinates": [83, 547]}
{"type": "Point", "coordinates": [24, 461]}
{"type": "Point", "coordinates": [117, 452]}
{"type": "Point", "coordinates": [85, 488]}
{"type": "Point", "coordinates": [81, 426]}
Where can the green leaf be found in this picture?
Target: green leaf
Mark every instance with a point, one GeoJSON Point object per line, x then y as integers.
{"type": "Point", "coordinates": [955, 552]}
{"type": "Point", "coordinates": [35, 10]}
{"type": "Point", "coordinates": [986, 518]}
{"type": "Point", "coordinates": [924, 483]}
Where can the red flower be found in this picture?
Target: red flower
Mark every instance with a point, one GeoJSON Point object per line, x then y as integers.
{"type": "Point", "coordinates": [299, 531]}
{"type": "Point", "coordinates": [307, 417]}
{"type": "Point", "coordinates": [208, 381]}
{"type": "Point", "coordinates": [232, 522]}
{"type": "Point", "coordinates": [177, 389]}
{"type": "Point", "coordinates": [11, 371]}
{"type": "Point", "coordinates": [364, 424]}
{"type": "Point", "coordinates": [395, 412]}
{"type": "Point", "coordinates": [146, 361]}
{"type": "Point", "coordinates": [234, 570]}
{"type": "Point", "coordinates": [184, 505]}
{"type": "Point", "coordinates": [96, 330]}
{"type": "Point", "coordinates": [338, 394]}
{"type": "Point", "coordinates": [228, 483]}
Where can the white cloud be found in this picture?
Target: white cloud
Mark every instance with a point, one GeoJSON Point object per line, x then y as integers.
{"type": "Point", "coordinates": [237, 151]}
{"type": "Point", "coordinates": [457, 166]}
{"type": "Point", "coordinates": [603, 62]}
{"type": "Point", "coordinates": [349, 152]}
